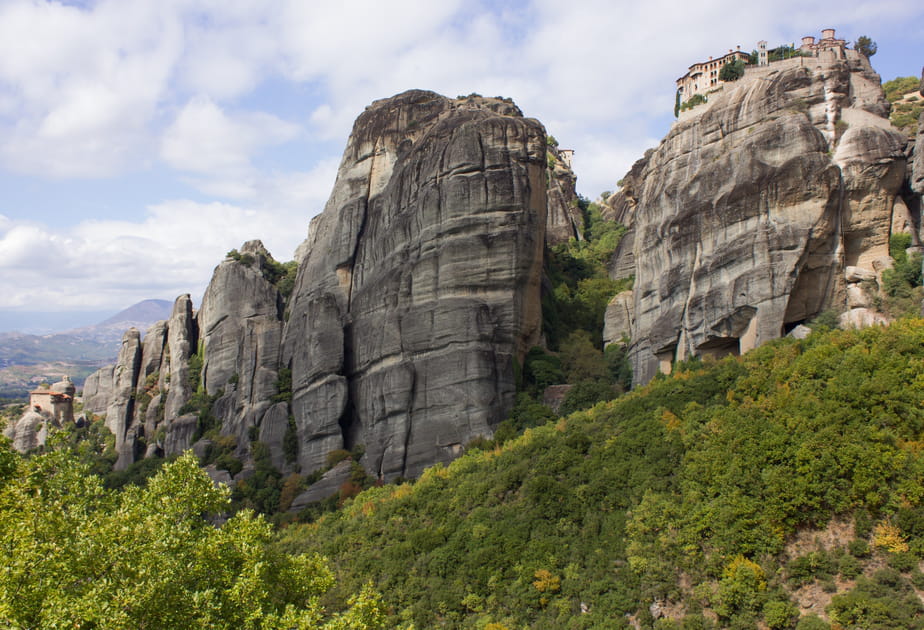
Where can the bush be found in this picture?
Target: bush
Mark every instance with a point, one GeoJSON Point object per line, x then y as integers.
{"type": "Point", "coordinates": [780, 614]}
{"type": "Point", "coordinates": [732, 71]}
{"type": "Point", "coordinates": [813, 565]}
{"type": "Point", "coordinates": [584, 395]}
{"type": "Point", "coordinates": [848, 567]}
{"type": "Point", "coordinates": [693, 101]}
{"type": "Point", "coordinates": [812, 622]}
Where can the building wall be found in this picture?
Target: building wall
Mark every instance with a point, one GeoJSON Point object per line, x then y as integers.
{"type": "Point", "coordinates": [703, 77]}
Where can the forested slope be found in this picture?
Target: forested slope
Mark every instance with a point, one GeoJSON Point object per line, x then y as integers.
{"type": "Point", "coordinates": [676, 501]}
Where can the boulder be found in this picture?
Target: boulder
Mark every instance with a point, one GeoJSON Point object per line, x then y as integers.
{"type": "Point", "coordinates": [800, 332]}
{"type": "Point", "coordinates": [858, 274]}
{"type": "Point", "coordinates": [325, 487]}
{"type": "Point", "coordinates": [862, 318]}
{"type": "Point", "coordinates": [857, 296]}
{"type": "Point", "coordinates": [29, 432]}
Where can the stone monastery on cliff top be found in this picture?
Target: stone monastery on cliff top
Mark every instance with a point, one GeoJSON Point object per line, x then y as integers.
{"type": "Point", "coordinates": [703, 77]}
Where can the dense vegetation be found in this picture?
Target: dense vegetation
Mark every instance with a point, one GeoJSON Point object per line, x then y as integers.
{"type": "Point", "coordinates": [686, 491]}
{"type": "Point", "coordinates": [732, 70]}
{"type": "Point", "coordinates": [905, 112]}
{"type": "Point", "coordinates": [279, 274]}
{"type": "Point", "coordinates": [78, 555]}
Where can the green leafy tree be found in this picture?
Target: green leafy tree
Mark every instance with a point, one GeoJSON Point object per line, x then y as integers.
{"type": "Point", "coordinates": [78, 555]}
{"type": "Point", "coordinates": [732, 71]}
{"type": "Point", "coordinates": [865, 46]}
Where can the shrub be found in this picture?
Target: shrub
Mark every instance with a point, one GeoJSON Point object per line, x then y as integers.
{"type": "Point", "coordinates": [693, 101]}
{"type": "Point", "coordinates": [732, 71]}
{"type": "Point", "coordinates": [780, 614]}
{"type": "Point", "coordinates": [812, 622]}
{"type": "Point", "coordinates": [811, 566]}
{"type": "Point", "coordinates": [741, 586]}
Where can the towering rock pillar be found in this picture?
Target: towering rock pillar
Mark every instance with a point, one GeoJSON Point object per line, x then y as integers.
{"type": "Point", "coordinates": [420, 287]}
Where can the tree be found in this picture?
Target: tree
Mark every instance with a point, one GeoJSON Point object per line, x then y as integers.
{"type": "Point", "coordinates": [79, 555]}
{"type": "Point", "coordinates": [732, 71]}
{"type": "Point", "coordinates": [865, 46]}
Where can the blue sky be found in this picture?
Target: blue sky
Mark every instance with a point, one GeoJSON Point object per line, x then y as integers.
{"type": "Point", "coordinates": [140, 140]}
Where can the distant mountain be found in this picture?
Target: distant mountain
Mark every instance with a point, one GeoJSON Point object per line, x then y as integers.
{"type": "Point", "coordinates": [26, 360]}
{"type": "Point", "coordinates": [110, 331]}
{"type": "Point", "coordinates": [148, 311]}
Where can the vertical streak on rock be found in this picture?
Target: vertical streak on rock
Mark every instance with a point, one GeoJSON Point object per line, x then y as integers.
{"type": "Point", "coordinates": [428, 256]}
{"type": "Point", "coordinates": [745, 215]}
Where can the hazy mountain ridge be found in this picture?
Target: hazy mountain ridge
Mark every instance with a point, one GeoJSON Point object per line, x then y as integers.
{"type": "Point", "coordinates": [26, 359]}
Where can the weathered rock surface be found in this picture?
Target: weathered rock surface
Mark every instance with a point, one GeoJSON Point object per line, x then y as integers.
{"type": "Point", "coordinates": [421, 283]}
{"type": "Point", "coordinates": [143, 392]}
{"type": "Point", "coordinates": [861, 318]}
{"type": "Point", "coordinates": [325, 487]}
{"type": "Point", "coordinates": [564, 220]}
{"type": "Point", "coordinates": [121, 407]}
{"type": "Point", "coordinates": [747, 213]}
{"type": "Point", "coordinates": [417, 290]}
{"type": "Point", "coordinates": [240, 324]}
{"type": "Point", "coordinates": [97, 390]}
{"type": "Point", "coordinates": [182, 342]}
{"type": "Point", "coordinates": [917, 168]}
{"type": "Point", "coordinates": [618, 321]}
{"type": "Point", "coordinates": [30, 431]}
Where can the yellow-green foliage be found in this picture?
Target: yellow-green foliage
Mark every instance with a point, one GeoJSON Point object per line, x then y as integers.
{"type": "Point", "coordinates": [905, 113]}
{"type": "Point", "coordinates": [898, 87]}
{"type": "Point", "coordinates": [76, 555]}
{"type": "Point", "coordinates": [581, 285]}
{"type": "Point", "coordinates": [705, 473]}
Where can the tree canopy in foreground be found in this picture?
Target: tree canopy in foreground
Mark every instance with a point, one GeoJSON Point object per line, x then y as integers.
{"type": "Point", "coordinates": [78, 555]}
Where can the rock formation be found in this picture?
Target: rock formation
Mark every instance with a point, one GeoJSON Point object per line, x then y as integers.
{"type": "Point", "coordinates": [240, 323]}
{"type": "Point", "coordinates": [563, 219]}
{"type": "Point", "coordinates": [421, 283]}
{"type": "Point", "coordinates": [744, 219]}
{"type": "Point", "coordinates": [29, 432]}
{"type": "Point", "coordinates": [417, 292]}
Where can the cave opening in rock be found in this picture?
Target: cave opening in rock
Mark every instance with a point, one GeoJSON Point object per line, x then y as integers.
{"type": "Point", "coordinates": [788, 327]}
{"type": "Point", "coordinates": [719, 347]}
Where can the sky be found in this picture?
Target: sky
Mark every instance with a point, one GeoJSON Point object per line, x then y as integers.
{"type": "Point", "coordinates": [140, 140]}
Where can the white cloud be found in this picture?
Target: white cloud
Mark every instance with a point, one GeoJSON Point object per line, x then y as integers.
{"type": "Point", "coordinates": [81, 87]}
{"type": "Point", "coordinates": [119, 85]}
{"type": "Point", "coordinates": [204, 139]}
{"type": "Point", "coordinates": [171, 250]}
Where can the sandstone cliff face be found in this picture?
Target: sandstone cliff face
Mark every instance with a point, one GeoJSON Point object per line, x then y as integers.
{"type": "Point", "coordinates": [421, 283]}
{"type": "Point", "coordinates": [417, 290]}
{"type": "Point", "coordinates": [240, 323]}
{"type": "Point", "coordinates": [563, 219]}
{"type": "Point", "coordinates": [142, 394]}
{"type": "Point", "coordinates": [746, 215]}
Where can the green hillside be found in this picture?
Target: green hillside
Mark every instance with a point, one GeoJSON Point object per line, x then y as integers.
{"type": "Point", "coordinates": [683, 494]}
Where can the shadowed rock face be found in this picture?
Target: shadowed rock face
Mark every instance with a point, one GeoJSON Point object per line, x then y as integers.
{"type": "Point", "coordinates": [745, 216]}
{"type": "Point", "coordinates": [421, 283]}
{"type": "Point", "coordinates": [240, 324]}
{"type": "Point", "coordinates": [417, 290]}
{"type": "Point", "coordinates": [120, 411]}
